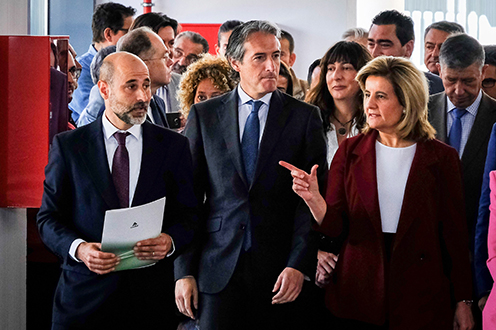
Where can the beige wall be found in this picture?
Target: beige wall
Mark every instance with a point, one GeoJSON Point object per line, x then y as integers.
{"type": "Point", "coordinates": [14, 17]}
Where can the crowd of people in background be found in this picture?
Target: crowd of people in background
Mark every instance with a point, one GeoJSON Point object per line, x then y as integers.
{"type": "Point", "coordinates": [361, 197]}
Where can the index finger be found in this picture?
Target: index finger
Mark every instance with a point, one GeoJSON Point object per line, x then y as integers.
{"type": "Point", "coordinates": [288, 166]}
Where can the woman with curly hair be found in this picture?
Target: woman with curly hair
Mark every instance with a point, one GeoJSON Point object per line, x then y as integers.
{"type": "Point", "coordinates": [206, 78]}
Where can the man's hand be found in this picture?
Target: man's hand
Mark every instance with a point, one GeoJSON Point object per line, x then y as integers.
{"type": "Point", "coordinates": [153, 248]}
{"type": "Point", "coordinates": [482, 302]}
{"type": "Point", "coordinates": [186, 290]}
{"type": "Point", "coordinates": [464, 319]}
{"type": "Point", "coordinates": [289, 284]}
{"type": "Point", "coordinates": [97, 261]}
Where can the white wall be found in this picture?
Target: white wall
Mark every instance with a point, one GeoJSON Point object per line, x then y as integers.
{"type": "Point", "coordinates": [315, 24]}
{"type": "Point", "coordinates": [14, 17]}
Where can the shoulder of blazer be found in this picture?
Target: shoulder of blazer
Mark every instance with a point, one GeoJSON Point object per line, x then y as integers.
{"type": "Point", "coordinates": [488, 103]}
{"type": "Point", "coordinates": [435, 100]}
{"type": "Point", "coordinates": [161, 134]}
{"type": "Point", "coordinates": [361, 143]}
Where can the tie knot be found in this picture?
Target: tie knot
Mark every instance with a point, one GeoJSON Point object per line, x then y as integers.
{"type": "Point", "coordinates": [121, 137]}
{"type": "Point", "coordinates": [459, 113]}
{"type": "Point", "coordinates": [255, 106]}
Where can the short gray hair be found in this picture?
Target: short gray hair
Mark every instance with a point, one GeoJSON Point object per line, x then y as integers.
{"type": "Point", "coordinates": [137, 42]}
{"type": "Point", "coordinates": [195, 38]}
{"type": "Point", "coordinates": [446, 26]}
{"type": "Point", "coordinates": [355, 33]}
{"type": "Point", "coordinates": [460, 51]}
{"type": "Point", "coordinates": [236, 46]}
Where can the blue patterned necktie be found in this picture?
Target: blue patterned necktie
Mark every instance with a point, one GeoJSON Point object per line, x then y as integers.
{"type": "Point", "coordinates": [120, 169]}
{"type": "Point", "coordinates": [455, 135]}
{"type": "Point", "coordinates": [249, 148]}
{"type": "Point", "coordinates": [249, 142]}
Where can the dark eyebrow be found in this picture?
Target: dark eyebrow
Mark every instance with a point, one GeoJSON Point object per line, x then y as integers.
{"type": "Point", "coordinates": [384, 40]}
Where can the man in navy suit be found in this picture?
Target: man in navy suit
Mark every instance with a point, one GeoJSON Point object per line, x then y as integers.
{"type": "Point", "coordinates": [82, 182]}
{"type": "Point", "coordinates": [255, 245]}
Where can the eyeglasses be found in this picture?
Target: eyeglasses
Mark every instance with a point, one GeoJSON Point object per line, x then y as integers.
{"type": "Point", "coordinates": [178, 53]}
{"type": "Point", "coordinates": [165, 58]}
{"type": "Point", "coordinates": [488, 82]}
{"type": "Point", "coordinates": [75, 72]}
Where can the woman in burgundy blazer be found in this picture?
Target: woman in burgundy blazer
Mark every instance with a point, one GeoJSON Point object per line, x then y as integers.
{"type": "Point", "coordinates": [417, 276]}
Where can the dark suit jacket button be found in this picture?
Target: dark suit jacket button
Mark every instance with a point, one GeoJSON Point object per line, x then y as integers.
{"type": "Point", "coordinates": [242, 226]}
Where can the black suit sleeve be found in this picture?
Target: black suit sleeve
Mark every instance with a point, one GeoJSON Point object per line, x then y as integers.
{"type": "Point", "coordinates": [53, 222]}
{"type": "Point", "coordinates": [303, 254]}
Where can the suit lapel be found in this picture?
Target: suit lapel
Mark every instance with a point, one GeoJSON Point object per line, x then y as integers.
{"type": "Point", "coordinates": [276, 121]}
{"type": "Point", "coordinates": [227, 115]}
{"type": "Point", "coordinates": [481, 129]}
{"type": "Point", "coordinates": [415, 188]}
{"type": "Point", "coordinates": [364, 170]}
{"type": "Point", "coordinates": [437, 116]}
{"type": "Point", "coordinates": [151, 163]}
{"type": "Point", "coordinates": [94, 156]}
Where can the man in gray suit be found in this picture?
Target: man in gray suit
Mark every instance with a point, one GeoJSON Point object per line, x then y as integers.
{"type": "Point", "coordinates": [463, 117]}
{"type": "Point", "coordinates": [255, 243]}
{"type": "Point", "coordinates": [461, 67]}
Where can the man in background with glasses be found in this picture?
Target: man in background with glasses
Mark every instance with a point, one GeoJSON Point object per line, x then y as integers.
{"type": "Point", "coordinates": [488, 83]}
{"type": "Point", "coordinates": [188, 46]}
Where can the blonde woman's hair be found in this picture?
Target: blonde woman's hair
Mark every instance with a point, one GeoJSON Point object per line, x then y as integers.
{"type": "Point", "coordinates": [411, 89]}
{"type": "Point", "coordinates": [208, 66]}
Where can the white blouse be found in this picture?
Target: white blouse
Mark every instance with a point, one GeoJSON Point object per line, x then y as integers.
{"type": "Point", "coordinates": [393, 167]}
{"type": "Point", "coordinates": [332, 141]}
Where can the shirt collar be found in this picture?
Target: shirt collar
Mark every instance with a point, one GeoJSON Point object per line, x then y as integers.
{"type": "Point", "coordinates": [472, 109]}
{"type": "Point", "coordinates": [92, 50]}
{"type": "Point", "coordinates": [109, 129]}
{"type": "Point", "coordinates": [245, 98]}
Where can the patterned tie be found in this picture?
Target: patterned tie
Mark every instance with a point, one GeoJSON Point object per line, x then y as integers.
{"type": "Point", "coordinates": [249, 147]}
{"type": "Point", "coordinates": [249, 142]}
{"type": "Point", "coordinates": [120, 169]}
{"type": "Point", "coordinates": [455, 135]}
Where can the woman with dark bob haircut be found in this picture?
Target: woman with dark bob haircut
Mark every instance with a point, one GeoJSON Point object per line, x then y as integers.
{"type": "Point", "coordinates": [397, 193]}
{"type": "Point", "coordinates": [338, 95]}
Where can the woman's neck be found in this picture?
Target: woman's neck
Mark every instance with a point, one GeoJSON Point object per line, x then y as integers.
{"type": "Point", "coordinates": [345, 110]}
{"type": "Point", "coordinates": [393, 140]}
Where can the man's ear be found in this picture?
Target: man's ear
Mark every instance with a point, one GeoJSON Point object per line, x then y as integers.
{"type": "Point", "coordinates": [292, 59]}
{"type": "Point", "coordinates": [438, 66]}
{"type": "Point", "coordinates": [235, 65]}
{"type": "Point", "coordinates": [104, 88]}
{"type": "Point", "coordinates": [409, 48]}
{"type": "Point", "coordinates": [108, 34]}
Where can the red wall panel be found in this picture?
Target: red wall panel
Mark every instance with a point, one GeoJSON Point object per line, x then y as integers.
{"type": "Point", "coordinates": [25, 96]}
{"type": "Point", "coordinates": [208, 31]}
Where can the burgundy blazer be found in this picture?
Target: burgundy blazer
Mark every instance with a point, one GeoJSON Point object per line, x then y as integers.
{"type": "Point", "coordinates": [429, 268]}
